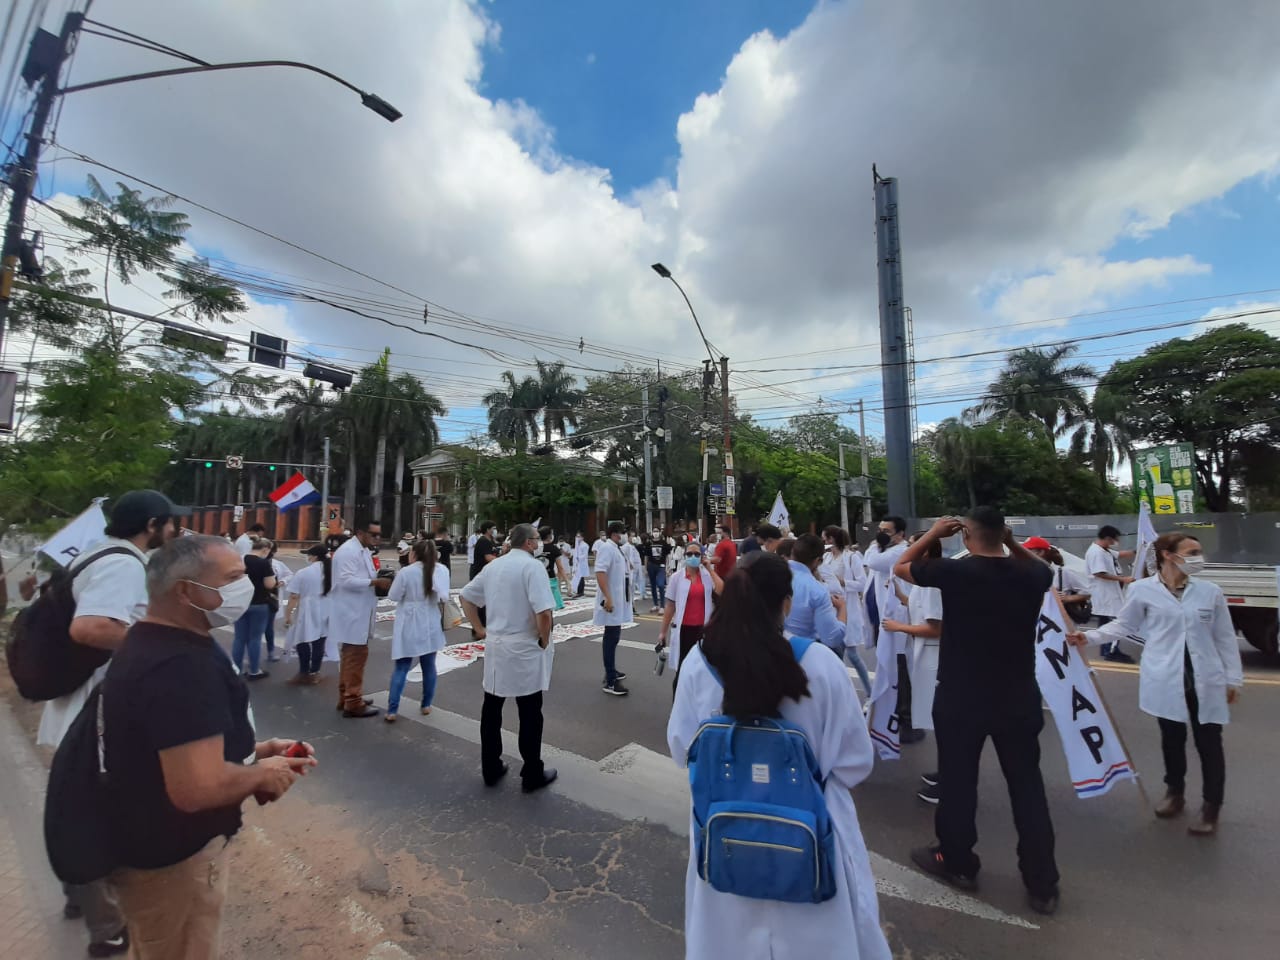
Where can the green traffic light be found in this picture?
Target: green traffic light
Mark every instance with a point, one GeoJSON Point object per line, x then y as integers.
{"type": "Point", "coordinates": [208, 464]}
{"type": "Point", "coordinates": [272, 468]}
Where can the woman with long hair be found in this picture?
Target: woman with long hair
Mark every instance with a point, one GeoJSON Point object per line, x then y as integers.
{"type": "Point", "coordinates": [306, 615]}
{"type": "Point", "coordinates": [420, 591]}
{"type": "Point", "coordinates": [1190, 669]}
{"type": "Point", "coordinates": [745, 668]}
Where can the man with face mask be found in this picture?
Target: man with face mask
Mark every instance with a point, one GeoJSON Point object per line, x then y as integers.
{"type": "Point", "coordinates": [180, 749]}
{"type": "Point", "coordinates": [890, 544]}
{"type": "Point", "coordinates": [110, 593]}
{"type": "Point", "coordinates": [613, 604]}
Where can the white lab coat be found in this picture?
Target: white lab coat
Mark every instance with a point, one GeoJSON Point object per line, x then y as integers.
{"type": "Point", "coordinates": [352, 602]}
{"type": "Point", "coordinates": [635, 568]}
{"type": "Point", "coordinates": [847, 926]}
{"type": "Point", "coordinates": [1107, 596]}
{"type": "Point", "coordinates": [610, 561]}
{"type": "Point", "coordinates": [1199, 622]}
{"type": "Point", "coordinates": [311, 619]}
{"type": "Point", "coordinates": [881, 562]}
{"type": "Point", "coordinates": [419, 629]}
{"type": "Point", "coordinates": [925, 604]}
{"type": "Point", "coordinates": [678, 593]}
{"type": "Point", "coordinates": [513, 589]}
{"type": "Point", "coordinates": [581, 562]}
{"type": "Point", "coordinates": [850, 575]}
{"type": "Point", "coordinates": [243, 544]}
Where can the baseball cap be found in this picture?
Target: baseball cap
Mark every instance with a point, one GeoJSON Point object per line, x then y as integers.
{"type": "Point", "coordinates": [1037, 543]}
{"type": "Point", "coordinates": [132, 510]}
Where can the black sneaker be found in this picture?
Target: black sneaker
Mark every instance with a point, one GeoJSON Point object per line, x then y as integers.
{"type": "Point", "coordinates": [929, 859]}
{"type": "Point", "coordinates": [112, 947]}
{"type": "Point", "coordinates": [615, 689]}
{"type": "Point", "coordinates": [930, 794]}
{"type": "Point", "coordinates": [260, 675]}
{"type": "Point", "coordinates": [618, 674]}
{"type": "Point", "coordinates": [930, 779]}
{"type": "Point", "coordinates": [1045, 905]}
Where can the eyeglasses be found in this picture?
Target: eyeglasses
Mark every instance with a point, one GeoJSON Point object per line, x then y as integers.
{"type": "Point", "coordinates": [693, 554]}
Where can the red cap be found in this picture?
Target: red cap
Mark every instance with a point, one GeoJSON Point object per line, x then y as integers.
{"type": "Point", "coordinates": [1037, 543]}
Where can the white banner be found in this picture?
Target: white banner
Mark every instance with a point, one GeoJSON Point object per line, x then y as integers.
{"type": "Point", "coordinates": [1095, 758]}
{"type": "Point", "coordinates": [883, 723]}
{"type": "Point", "coordinates": [779, 516]}
{"type": "Point", "coordinates": [79, 535]}
{"type": "Point", "coordinates": [1146, 537]}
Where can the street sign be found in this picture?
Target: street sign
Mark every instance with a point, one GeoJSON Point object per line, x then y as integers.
{"type": "Point", "coordinates": [728, 459]}
{"type": "Point", "coordinates": [267, 350]}
{"type": "Point", "coordinates": [730, 508]}
{"type": "Point", "coordinates": [235, 463]}
{"type": "Point", "coordinates": [237, 514]}
{"type": "Point", "coordinates": [717, 490]}
{"type": "Point", "coordinates": [1165, 477]}
{"type": "Point", "coordinates": [665, 498]}
{"type": "Point", "coordinates": [730, 486]}
{"type": "Point", "coordinates": [855, 487]}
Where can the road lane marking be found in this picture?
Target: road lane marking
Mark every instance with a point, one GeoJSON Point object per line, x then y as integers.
{"type": "Point", "coordinates": [1133, 669]}
{"type": "Point", "coordinates": [636, 783]}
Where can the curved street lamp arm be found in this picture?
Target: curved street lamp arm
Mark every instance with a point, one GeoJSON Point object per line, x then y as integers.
{"type": "Point", "coordinates": [177, 71]}
{"type": "Point", "coordinates": [697, 323]}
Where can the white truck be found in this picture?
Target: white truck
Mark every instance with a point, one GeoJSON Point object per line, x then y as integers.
{"type": "Point", "coordinates": [1253, 597]}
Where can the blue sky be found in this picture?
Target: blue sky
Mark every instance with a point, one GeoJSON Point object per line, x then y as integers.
{"type": "Point", "coordinates": [613, 78]}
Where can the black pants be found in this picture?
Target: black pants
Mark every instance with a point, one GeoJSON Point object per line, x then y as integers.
{"type": "Point", "coordinates": [690, 637]}
{"type": "Point", "coordinates": [311, 656]}
{"type": "Point", "coordinates": [903, 707]}
{"type": "Point", "coordinates": [530, 708]}
{"type": "Point", "coordinates": [1208, 740]}
{"type": "Point", "coordinates": [962, 734]}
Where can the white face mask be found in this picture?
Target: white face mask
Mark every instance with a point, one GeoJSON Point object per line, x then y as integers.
{"type": "Point", "coordinates": [236, 597]}
{"type": "Point", "coordinates": [1191, 565]}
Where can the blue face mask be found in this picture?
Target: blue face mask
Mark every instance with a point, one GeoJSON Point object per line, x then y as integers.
{"type": "Point", "coordinates": [694, 561]}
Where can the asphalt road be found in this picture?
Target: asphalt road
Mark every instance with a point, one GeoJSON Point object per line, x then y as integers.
{"type": "Point", "coordinates": [595, 865]}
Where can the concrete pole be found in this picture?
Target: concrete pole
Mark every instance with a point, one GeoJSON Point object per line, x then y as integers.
{"type": "Point", "coordinates": [862, 442]}
{"type": "Point", "coordinates": [895, 358]}
{"type": "Point", "coordinates": [324, 494]}
{"type": "Point", "coordinates": [648, 461]}
{"type": "Point", "coordinates": [730, 521]}
{"type": "Point", "coordinates": [844, 501]}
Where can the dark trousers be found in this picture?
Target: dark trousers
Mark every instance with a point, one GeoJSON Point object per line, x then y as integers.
{"type": "Point", "coordinates": [961, 735]}
{"type": "Point", "coordinates": [612, 635]}
{"type": "Point", "coordinates": [903, 707]}
{"type": "Point", "coordinates": [530, 737]}
{"type": "Point", "coordinates": [690, 637]}
{"type": "Point", "coordinates": [310, 656]}
{"type": "Point", "coordinates": [1208, 740]}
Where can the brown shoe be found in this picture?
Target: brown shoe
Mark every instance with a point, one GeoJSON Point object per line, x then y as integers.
{"type": "Point", "coordinates": [1207, 823]}
{"type": "Point", "coordinates": [298, 679]}
{"type": "Point", "coordinates": [1172, 805]}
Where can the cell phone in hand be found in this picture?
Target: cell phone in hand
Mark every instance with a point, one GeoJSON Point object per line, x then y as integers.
{"type": "Point", "coordinates": [297, 749]}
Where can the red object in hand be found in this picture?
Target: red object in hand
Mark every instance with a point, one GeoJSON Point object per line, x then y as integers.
{"type": "Point", "coordinates": [298, 749]}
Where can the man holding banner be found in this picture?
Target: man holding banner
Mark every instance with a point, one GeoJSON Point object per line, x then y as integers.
{"type": "Point", "coordinates": [987, 688]}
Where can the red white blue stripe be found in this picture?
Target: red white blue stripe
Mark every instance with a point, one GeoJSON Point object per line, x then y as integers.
{"type": "Point", "coordinates": [294, 492]}
{"type": "Point", "coordinates": [1096, 786]}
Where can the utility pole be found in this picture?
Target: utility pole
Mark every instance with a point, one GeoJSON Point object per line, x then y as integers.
{"type": "Point", "coordinates": [708, 378]}
{"type": "Point", "coordinates": [862, 442]}
{"type": "Point", "coordinates": [895, 350]}
{"type": "Point", "coordinates": [844, 501]}
{"type": "Point", "coordinates": [324, 494]}
{"type": "Point", "coordinates": [648, 461]}
{"type": "Point", "coordinates": [44, 63]}
{"type": "Point", "coordinates": [730, 491]}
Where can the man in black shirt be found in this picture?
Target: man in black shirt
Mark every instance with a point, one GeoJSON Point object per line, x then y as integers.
{"type": "Point", "coordinates": [486, 551]}
{"type": "Point", "coordinates": [180, 750]}
{"type": "Point", "coordinates": [987, 688]}
{"type": "Point", "coordinates": [656, 551]}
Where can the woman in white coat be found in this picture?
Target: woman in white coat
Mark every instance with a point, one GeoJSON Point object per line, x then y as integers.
{"type": "Point", "coordinates": [1190, 669]}
{"type": "Point", "coordinates": [843, 569]}
{"type": "Point", "coordinates": [745, 644]}
{"type": "Point", "coordinates": [420, 591]}
{"type": "Point", "coordinates": [306, 614]}
{"type": "Point", "coordinates": [699, 582]}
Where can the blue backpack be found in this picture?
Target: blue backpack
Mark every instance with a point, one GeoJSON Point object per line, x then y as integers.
{"type": "Point", "coordinates": [760, 818]}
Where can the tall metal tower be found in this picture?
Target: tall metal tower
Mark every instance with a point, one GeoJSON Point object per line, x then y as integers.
{"type": "Point", "coordinates": [896, 360]}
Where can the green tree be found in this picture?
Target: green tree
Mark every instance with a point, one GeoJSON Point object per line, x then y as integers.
{"type": "Point", "coordinates": [412, 427]}
{"type": "Point", "coordinates": [513, 411]}
{"type": "Point", "coordinates": [558, 396]}
{"type": "Point", "coordinates": [1038, 384]}
{"type": "Point", "coordinates": [1219, 391]}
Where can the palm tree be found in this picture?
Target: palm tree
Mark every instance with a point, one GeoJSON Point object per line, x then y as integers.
{"type": "Point", "coordinates": [956, 445]}
{"type": "Point", "coordinates": [308, 410]}
{"type": "Point", "coordinates": [1104, 440]}
{"type": "Point", "coordinates": [513, 411]}
{"type": "Point", "coordinates": [1035, 384]}
{"type": "Point", "coordinates": [371, 403]}
{"type": "Point", "coordinates": [413, 424]}
{"type": "Point", "coordinates": [558, 395]}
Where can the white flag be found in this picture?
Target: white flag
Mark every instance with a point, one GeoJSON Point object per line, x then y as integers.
{"type": "Point", "coordinates": [1146, 537]}
{"type": "Point", "coordinates": [778, 516]}
{"type": "Point", "coordinates": [85, 531]}
{"type": "Point", "coordinates": [1095, 758]}
{"type": "Point", "coordinates": [883, 723]}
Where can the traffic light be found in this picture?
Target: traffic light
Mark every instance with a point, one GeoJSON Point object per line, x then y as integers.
{"type": "Point", "coordinates": [208, 464]}
{"type": "Point", "coordinates": [272, 468]}
{"type": "Point", "coordinates": [338, 378]}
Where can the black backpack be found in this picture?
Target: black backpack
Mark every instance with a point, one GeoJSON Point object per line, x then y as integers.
{"type": "Point", "coordinates": [79, 824]}
{"type": "Point", "coordinates": [43, 659]}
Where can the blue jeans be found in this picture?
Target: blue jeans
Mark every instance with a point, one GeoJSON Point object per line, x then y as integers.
{"type": "Point", "coordinates": [400, 675]}
{"type": "Point", "coordinates": [658, 585]}
{"type": "Point", "coordinates": [855, 661]}
{"type": "Point", "coordinates": [249, 631]}
{"type": "Point", "coordinates": [269, 634]}
{"type": "Point", "coordinates": [611, 637]}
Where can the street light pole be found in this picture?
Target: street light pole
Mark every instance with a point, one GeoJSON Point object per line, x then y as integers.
{"type": "Point", "coordinates": [730, 516]}
{"type": "Point", "coordinates": [46, 56]}
{"type": "Point", "coordinates": [844, 501]}
{"type": "Point", "coordinates": [648, 462]}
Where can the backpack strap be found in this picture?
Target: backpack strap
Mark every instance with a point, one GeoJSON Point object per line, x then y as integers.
{"type": "Point", "coordinates": [110, 551]}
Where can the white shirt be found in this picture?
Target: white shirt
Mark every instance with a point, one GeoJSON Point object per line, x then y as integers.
{"type": "Point", "coordinates": [848, 925]}
{"type": "Point", "coordinates": [880, 563]}
{"type": "Point", "coordinates": [1200, 623]}
{"type": "Point", "coordinates": [311, 619]}
{"type": "Point", "coordinates": [1068, 581]}
{"type": "Point", "coordinates": [114, 587]}
{"type": "Point", "coordinates": [611, 562]}
{"type": "Point", "coordinates": [352, 602]}
{"type": "Point", "coordinates": [1107, 595]}
{"type": "Point", "coordinates": [925, 605]}
{"type": "Point", "coordinates": [471, 548]}
{"type": "Point", "coordinates": [418, 628]}
{"type": "Point", "coordinates": [634, 563]}
{"type": "Point", "coordinates": [244, 543]}
{"type": "Point", "coordinates": [678, 593]}
{"type": "Point", "coordinates": [513, 589]}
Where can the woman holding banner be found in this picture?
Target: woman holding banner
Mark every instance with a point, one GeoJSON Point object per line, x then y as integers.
{"type": "Point", "coordinates": [1190, 669]}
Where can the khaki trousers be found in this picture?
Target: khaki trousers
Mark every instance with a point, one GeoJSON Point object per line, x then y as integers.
{"type": "Point", "coordinates": [351, 676]}
{"type": "Point", "coordinates": [175, 913]}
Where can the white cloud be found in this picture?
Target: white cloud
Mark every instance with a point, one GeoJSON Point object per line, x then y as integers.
{"type": "Point", "coordinates": [1026, 144]}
